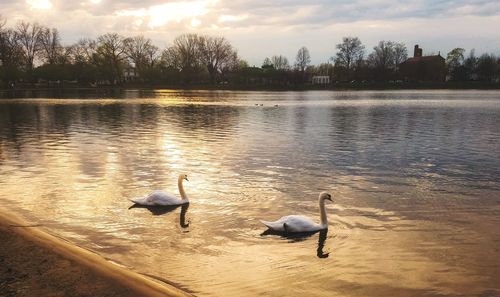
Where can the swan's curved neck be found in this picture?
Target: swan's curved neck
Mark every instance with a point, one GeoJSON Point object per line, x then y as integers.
{"type": "Point", "coordinates": [181, 189]}
{"type": "Point", "coordinates": [322, 213]}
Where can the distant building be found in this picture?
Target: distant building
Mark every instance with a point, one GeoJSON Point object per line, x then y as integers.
{"type": "Point", "coordinates": [130, 73]}
{"type": "Point", "coordinates": [320, 80]}
{"type": "Point", "coordinates": [423, 68]}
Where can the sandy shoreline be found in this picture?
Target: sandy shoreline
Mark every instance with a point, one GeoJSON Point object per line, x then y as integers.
{"type": "Point", "coordinates": [35, 263]}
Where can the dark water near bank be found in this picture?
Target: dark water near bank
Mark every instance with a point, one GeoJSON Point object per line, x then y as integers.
{"type": "Point", "coordinates": [415, 178]}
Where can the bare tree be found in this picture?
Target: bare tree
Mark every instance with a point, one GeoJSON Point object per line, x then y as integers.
{"type": "Point", "coordinates": [280, 62]}
{"type": "Point", "coordinates": [323, 69]}
{"type": "Point", "coordinates": [267, 63]}
{"type": "Point", "coordinates": [184, 55]}
{"type": "Point", "coordinates": [302, 59]}
{"type": "Point", "coordinates": [216, 53]}
{"type": "Point", "coordinates": [142, 53]}
{"type": "Point", "coordinates": [232, 63]}
{"type": "Point", "coordinates": [6, 42]}
{"type": "Point", "coordinates": [486, 67]}
{"type": "Point", "coordinates": [84, 51]}
{"type": "Point", "coordinates": [187, 46]}
{"type": "Point", "coordinates": [29, 38]}
{"type": "Point", "coordinates": [350, 51]}
{"type": "Point", "coordinates": [140, 50]}
{"type": "Point", "coordinates": [3, 21]}
{"type": "Point", "coordinates": [382, 56]}
{"type": "Point", "coordinates": [400, 54]}
{"type": "Point", "coordinates": [152, 55]}
{"type": "Point", "coordinates": [111, 51]}
{"type": "Point", "coordinates": [470, 64]}
{"type": "Point", "coordinates": [169, 58]}
{"type": "Point", "coordinates": [85, 59]}
{"type": "Point", "coordinates": [66, 54]}
{"type": "Point", "coordinates": [51, 49]}
{"type": "Point", "coordinates": [10, 54]}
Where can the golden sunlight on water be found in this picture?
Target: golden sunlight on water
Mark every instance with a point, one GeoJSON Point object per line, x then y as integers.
{"type": "Point", "coordinates": [414, 177]}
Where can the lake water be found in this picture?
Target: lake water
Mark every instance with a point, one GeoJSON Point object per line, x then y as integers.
{"type": "Point", "coordinates": [415, 178]}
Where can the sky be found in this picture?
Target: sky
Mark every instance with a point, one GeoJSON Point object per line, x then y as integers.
{"type": "Point", "coordinates": [263, 28]}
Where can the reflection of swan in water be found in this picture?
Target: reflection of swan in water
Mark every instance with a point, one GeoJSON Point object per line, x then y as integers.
{"type": "Point", "coordinates": [295, 237]}
{"type": "Point", "coordinates": [165, 199]}
{"type": "Point", "coordinates": [182, 217]}
{"type": "Point", "coordinates": [297, 224]}
{"type": "Point", "coordinates": [161, 210]}
{"type": "Point", "coordinates": [321, 244]}
{"type": "Point", "coordinates": [157, 210]}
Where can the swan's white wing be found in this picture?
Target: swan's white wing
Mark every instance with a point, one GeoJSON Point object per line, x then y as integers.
{"type": "Point", "coordinates": [294, 223]}
{"type": "Point", "coordinates": [159, 198]}
{"type": "Point", "coordinates": [297, 223]}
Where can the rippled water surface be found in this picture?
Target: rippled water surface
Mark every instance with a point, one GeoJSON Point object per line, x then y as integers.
{"type": "Point", "coordinates": [415, 177]}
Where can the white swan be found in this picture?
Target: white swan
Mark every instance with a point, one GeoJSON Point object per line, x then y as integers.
{"type": "Point", "coordinates": [296, 223]}
{"type": "Point", "coordinates": [164, 199]}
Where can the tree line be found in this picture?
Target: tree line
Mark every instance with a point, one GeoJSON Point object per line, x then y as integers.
{"type": "Point", "coordinates": [30, 52]}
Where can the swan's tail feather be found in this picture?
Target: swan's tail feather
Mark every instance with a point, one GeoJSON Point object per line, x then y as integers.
{"type": "Point", "coordinates": [138, 200]}
{"type": "Point", "coordinates": [273, 225]}
{"type": "Point", "coordinates": [267, 223]}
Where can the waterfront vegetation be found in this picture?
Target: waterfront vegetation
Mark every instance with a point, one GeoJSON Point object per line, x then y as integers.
{"type": "Point", "coordinates": [32, 55]}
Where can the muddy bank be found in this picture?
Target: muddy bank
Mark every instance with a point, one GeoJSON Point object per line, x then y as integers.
{"type": "Point", "coordinates": [35, 263]}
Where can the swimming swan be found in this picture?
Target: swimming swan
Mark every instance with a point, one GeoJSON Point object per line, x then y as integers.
{"type": "Point", "coordinates": [296, 223]}
{"type": "Point", "coordinates": [164, 199]}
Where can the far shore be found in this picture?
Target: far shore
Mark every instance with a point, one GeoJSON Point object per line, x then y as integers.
{"type": "Point", "coordinates": [342, 86]}
{"type": "Point", "coordinates": [35, 263]}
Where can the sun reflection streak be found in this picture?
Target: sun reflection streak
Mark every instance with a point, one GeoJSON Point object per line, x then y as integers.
{"type": "Point", "coordinates": [173, 156]}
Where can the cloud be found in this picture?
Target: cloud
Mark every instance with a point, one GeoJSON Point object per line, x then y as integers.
{"type": "Point", "coordinates": [288, 13]}
{"type": "Point", "coordinates": [39, 4]}
{"type": "Point", "coordinates": [160, 15]}
{"type": "Point", "coordinates": [263, 12]}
